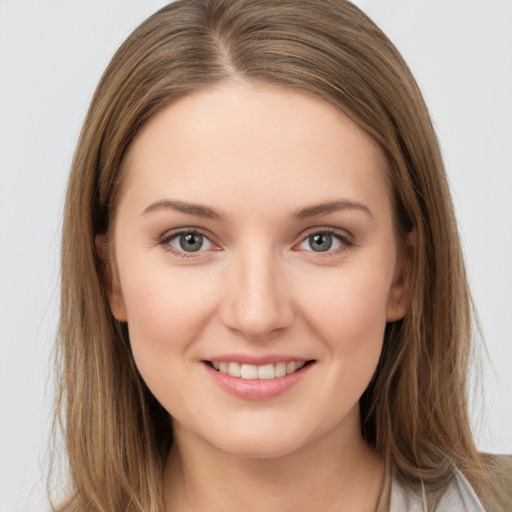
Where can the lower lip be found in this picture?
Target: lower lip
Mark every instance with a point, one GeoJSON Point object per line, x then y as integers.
{"type": "Point", "coordinates": [257, 389]}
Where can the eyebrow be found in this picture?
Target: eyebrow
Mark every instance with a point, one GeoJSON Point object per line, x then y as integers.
{"type": "Point", "coordinates": [330, 207]}
{"type": "Point", "coordinates": [199, 210]}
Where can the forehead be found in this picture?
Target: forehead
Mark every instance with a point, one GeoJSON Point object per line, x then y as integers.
{"type": "Point", "coordinates": [238, 142]}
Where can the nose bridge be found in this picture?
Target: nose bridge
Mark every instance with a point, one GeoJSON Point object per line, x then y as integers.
{"type": "Point", "coordinates": [256, 301]}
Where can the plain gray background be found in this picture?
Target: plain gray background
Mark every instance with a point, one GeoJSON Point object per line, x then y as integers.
{"type": "Point", "coordinates": [52, 55]}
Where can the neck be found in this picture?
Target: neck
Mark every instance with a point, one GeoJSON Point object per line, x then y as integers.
{"type": "Point", "coordinates": [334, 473]}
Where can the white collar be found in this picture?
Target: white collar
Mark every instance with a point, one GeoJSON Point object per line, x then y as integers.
{"type": "Point", "coordinates": [459, 496]}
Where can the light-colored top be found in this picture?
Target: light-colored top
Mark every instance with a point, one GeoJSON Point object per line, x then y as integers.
{"type": "Point", "coordinates": [458, 497]}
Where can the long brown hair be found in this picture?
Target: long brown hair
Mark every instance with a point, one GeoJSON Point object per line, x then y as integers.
{"type": "Point", "coordinates": [415, 410]}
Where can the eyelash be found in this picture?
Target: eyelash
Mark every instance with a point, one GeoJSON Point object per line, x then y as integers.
{"type": "Point", "coordinates": [346, 242]}
{"type": "Point", "coordinates": [167, 237]}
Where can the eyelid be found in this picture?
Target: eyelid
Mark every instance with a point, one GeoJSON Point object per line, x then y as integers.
{"type": "Point", "coordinates": [344, 237]}
{"type": "Point", "coordinates": [165, 239]}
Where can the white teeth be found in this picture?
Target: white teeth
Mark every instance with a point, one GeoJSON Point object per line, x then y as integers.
{"type": "Point", "coordinates": [263, 372]}
{"type": "Point", "coordinates": [249, 371]}
{"type": "Point", "coordinates": [280, 369]}
{"type": "Point", "coordinates": [266, 371]}
{"type": "Point", "coordinates": [291, 367]}
{"type": "Point", "coordinates": [234, 369]}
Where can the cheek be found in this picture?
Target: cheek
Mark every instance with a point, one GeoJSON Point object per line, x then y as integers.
{"type": "Point", "coordinates": [348, 310]}
{"type": "Point", "coordinates": [166, 311]}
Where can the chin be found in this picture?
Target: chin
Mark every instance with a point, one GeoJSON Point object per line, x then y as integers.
{"type": "Point", "coordinates": [260, 444]}
{"type": "Point", "coordinates": [259, 450]}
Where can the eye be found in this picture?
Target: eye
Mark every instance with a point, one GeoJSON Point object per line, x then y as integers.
{"type": "Point", "coordinates": [185, 243]}
{"type": "Point", "coordinates": [324, 242]}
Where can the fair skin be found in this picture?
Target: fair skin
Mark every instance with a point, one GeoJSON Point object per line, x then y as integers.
{"type": "Point", "coordinates": [254, 231]}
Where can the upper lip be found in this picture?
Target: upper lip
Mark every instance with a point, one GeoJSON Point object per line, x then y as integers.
{"type": "Point", "coordinates": [257, 360]}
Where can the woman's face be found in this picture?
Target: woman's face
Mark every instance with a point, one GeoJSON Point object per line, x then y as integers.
{"type": "Point", "coordinates": [255, 235]}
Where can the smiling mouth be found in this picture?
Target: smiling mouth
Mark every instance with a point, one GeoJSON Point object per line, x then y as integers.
{"type": "Point", "coordinates": [261, 372]}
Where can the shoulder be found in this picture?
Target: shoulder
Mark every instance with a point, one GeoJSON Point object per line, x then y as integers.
{"type": "Point", "coordinates": [457, 496]}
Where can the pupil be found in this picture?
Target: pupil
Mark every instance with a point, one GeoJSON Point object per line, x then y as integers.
{"type": "Point", "coordinates": [191, 242]}
{"type": "Point", "coordinates": [320, 242]}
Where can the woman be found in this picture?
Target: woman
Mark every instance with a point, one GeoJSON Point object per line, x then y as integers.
{"type": "Point", "coordinates": [257, 285]}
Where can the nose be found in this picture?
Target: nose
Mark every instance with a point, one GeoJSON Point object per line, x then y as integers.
{"type": "Point", "coordinates": [257, 301]}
